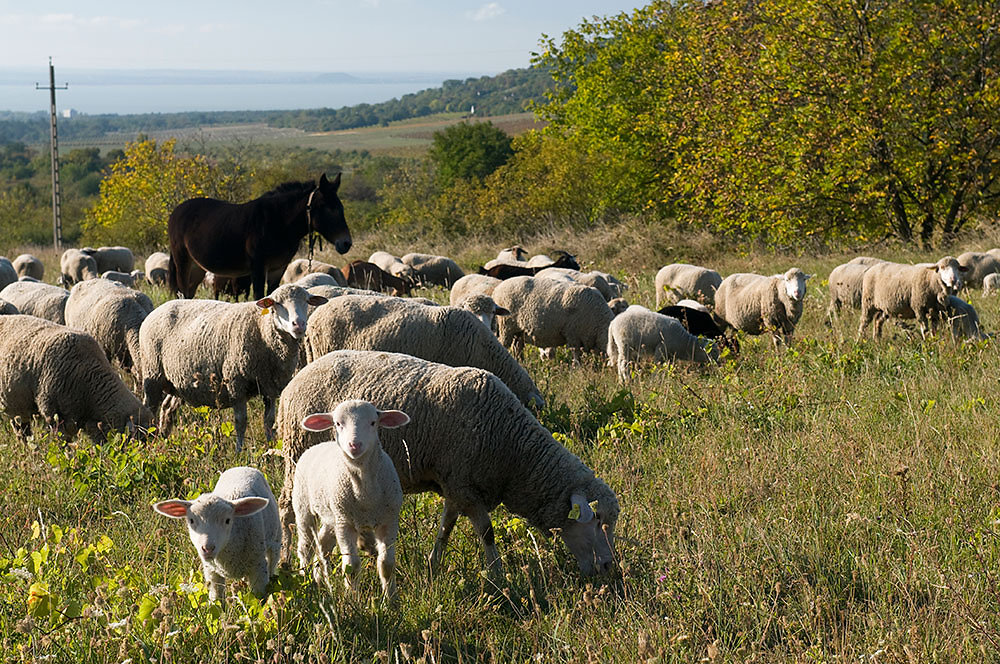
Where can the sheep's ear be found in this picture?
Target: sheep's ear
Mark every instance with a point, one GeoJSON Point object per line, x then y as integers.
{"type": "Point", "coordinates": [265, 302]}
{"type": "Point", "coordinates": [500, 311]}
{"type": "Point", "coordinates": [963, 268]}
{"type": "Point", "coordinates": [390, 419]}
{"type": "Point", "coordinates": [250, 505]}
{"type": "Point", "coordinates": [318, 422]}
{"type": "Point", "coordinates": [580, 509]}
{"type": "Point", "coordinates": [316, 300]}
{"type": "Point", "coordinates": [175, 509]}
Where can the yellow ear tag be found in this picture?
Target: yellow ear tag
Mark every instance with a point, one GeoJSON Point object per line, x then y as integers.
{"type": "Point", "coordinates": [265, 311]}
{"type": "Point", "coordinates": [574, 513]}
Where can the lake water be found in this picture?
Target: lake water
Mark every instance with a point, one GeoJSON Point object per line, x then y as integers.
{"type": "Point", "coordinates": [170, 98]}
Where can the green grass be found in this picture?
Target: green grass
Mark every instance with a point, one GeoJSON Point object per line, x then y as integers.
{"type": "Point", "coordinates": [832, 501]}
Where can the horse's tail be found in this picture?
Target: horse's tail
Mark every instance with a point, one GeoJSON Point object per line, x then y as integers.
{"type": "Point", "coordinates": [172, 280]}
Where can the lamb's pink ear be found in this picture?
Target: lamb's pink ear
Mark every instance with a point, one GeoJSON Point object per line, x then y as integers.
{"type": "Point", "coordinates": [318, 422]}
{"type": "Point", "coordinates": [390, 419]}
{"type": "Point", "coordinates": [265, 303]}
{"type": "Point", "coordinates": [500, 311]}
{"type": "Point", "coordinates": [250, 505]}
{"type": "Point", "coordinates": [316, 300]}
{"type": "Point", "coordinates": [175, 509]}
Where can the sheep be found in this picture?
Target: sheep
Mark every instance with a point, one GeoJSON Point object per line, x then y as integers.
{"type": "Point", "coordinates": [8, 274]}
{"type": "Point", "coordinates": [515, 254]}
{"type": "Point", "coordinates": [756, 304]}
{"type": "Point", "coordinates": [692, 304]}
{"type": "Point", "coordinates": [509, 270]}
{"type": "Point", "coordinates": [549, 313]}
{"type": "Point", "coordinates": [539, 260]}
{"type": "Point", "coordinates": [158, 268]}
{"type": "Point", "coordinates": [980, 264]}
{"type": "Point", "coordinates": [64, 376]}
{"type": "Point", "coordinates": [120, 259]}
{"type": "Point", "coordinates": [362, 274]}
{"type": "Point", "coordinates": [301, 267]}
{"type": "Point", "coordinates": [434, 270]}
{"type": "Point", "coordinates": [7, 309]}
{"type": "Point", "coordinates": [697, 320]}
{"type": "Point", "coordinates": [347, 490]}
{"type": "Point", "coordinates": [471, 284]}
{"type": "Point", "coordinates": [112, 314]}
{"type": "Point", "coordinates": [909, 291]}
{"type": "Point", "coordinates": [235, 529]}
{"type": "Point", "coordinates": [124, 278]}
{"type": "Point", "coordinates": [991, 284]}
{"type": "Point", "coordinates": [639, 332]}
{"type": "Point", "coordinates": [845, 283]}
{"type": "Point", "coordinates": [682, 280]}
{"type": "Point", "coordinates": [318, 279]}
{"type": "Point", "coordinates": [37, 299]}
{"type": "Point", "coordinates": [484, 308]}
{"type": "Point", "coordinates": [593, 279]}
{"type": "Point", "coordinates": [27, 265]}
{"type": "Point", "coordinates": [963, 319]}
{"type": "Point", "coordinates": [470, 440]}
{"type": "Point", "coordinates": [393, 266]}
{"type": "Point", "coordinates": [219, 354]}
{"type": "Point", "coordinates": [76, 266]}
{"type": "Point", "coordinates": [438, 334]}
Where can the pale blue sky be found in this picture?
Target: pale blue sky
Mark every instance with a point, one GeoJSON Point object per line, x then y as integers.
{"type": "Point", "coordinates": [477, 36]}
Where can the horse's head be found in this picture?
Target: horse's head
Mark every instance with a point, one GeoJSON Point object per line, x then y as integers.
{"type": "Point", "coordinates": [327, 214]}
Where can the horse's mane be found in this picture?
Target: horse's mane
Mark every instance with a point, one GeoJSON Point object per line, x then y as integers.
{"type": "Point", "coordinates": [296, 187]}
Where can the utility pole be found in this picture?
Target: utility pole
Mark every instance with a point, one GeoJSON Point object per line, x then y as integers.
{"type": "Point", "coordinates": [56, 213]}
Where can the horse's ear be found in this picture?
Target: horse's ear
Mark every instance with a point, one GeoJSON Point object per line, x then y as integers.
{"type": "Point", "coordinates": [323, 181]}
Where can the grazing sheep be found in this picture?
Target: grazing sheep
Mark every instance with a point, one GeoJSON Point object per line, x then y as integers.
{"type": "Point", "coordinates": [470, 441]}
{"type": "Point", "coordinates": [991, 284]}
{"type": "Point", "coordinates": [434, 270]}
{"type": "Point", "coordinates": [347, 491]}
{"type": "Point", "coordinates": [505, 271]}
{"type": "Point", "coordinates": [979, 265]}
{"type": "Point", "coordinates": [471, 284]}
{"type": "Point", "coordinates": [76, 266]}
{"type": "Point", "coordinates": [37, 299]}
{"type": "Point", "coordinates": [549, 313]}
{"type": "Point", "coordinates": [7, 309]}
{"type": "Point", "coordinates": [639, 332]}
{"type": "Point", "coordinates": [300, 267]}
{"type": "Point", "coordinates": [64, 376]}
{"type": "Point", "coordinates": [27, 265]}
{"type": "Point", "coordinates": [393, 266]}
{"type": "Point", "coordinates": [158, 268]}
{"type": "Point", "coordinates": [681, 280]}
{"type": "Point", "coordinates": [697, 320]}
{"type": "Point", "coordinates": [235, 530]}
{"type": "Point", "coordinates": [757, 304]}
{"type": "Point", "coordinates": [119, 259]}
{"type": "Point", "coordinates": [845, 284]}
{"type": "Point", "coordinates": [447, 335]}
{"type": "Point", "coordinates": [362, 274]}
{"type": "Point", "coordinates": [112, 314]}
{"type": "Point", "coordinates": [593, 279]}
{"type": "Point", "coordinates": [124, 278]}
{"type": "Point", "coordinates": [909, 291]}
{"type": "Point", "coordinates": [484, 308]}
{"type": "Point", "coordinates": [219, 354]}
{"type": "Point", "coordinates": [963, 319]}
{"type": "Point", "coordinates": [8, 274]}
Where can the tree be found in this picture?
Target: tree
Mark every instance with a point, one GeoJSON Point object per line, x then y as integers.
{"type": "Point", "coordinates": [791, 116]}
{"type": "Point", "coordinates": [469, 150]}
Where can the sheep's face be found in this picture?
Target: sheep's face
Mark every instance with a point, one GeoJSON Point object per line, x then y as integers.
{"type": "Point", "coordinates": [210, 519]}
{"type": "Point", "coordinates": [795, 284]}
{"type": "Point", "coordinates": [951, 273]}
{"type": "Point", "coordinates": [288, 307]}
{"type": "Point", "coordinates": [590, 535]}
{"type": "Point", "coordinates": [356, 423]}
{"type": "Point", "coordinates": [484, 308]}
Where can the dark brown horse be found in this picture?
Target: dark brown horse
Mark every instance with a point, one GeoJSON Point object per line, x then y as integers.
{"type": "Point", "coordinates": [255, 238]}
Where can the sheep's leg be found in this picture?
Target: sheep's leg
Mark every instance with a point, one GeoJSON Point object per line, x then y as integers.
{"type": "Point", "coordinates": [385, 544]}
{"type": "Point", "coordinates": [286, 512]}
{"type": "Point", "coordinates": [350, 561]}
{"type": "Point", "coordinates": [448, 518]}
{"type": "Point", "coordinates": [240, 420]}
{"type": "Point", "coordinates": [325, 539]}
{"type": "Point", "coordinates": [867, 315]}
{"type": "Point", "coordinates": [484, 528]}
{"type": "Point", "coordinates": [167, 410]}
{"type": "Point", "coordinates": [22, 427]}
{"type": "Point", "coordinates": [269, 410]}
{"type": "Point", "coordinates": [305, 528]}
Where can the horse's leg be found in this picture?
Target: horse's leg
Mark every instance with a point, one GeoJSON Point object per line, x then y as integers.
{"type": "Point", "coordinates": [258, 275]}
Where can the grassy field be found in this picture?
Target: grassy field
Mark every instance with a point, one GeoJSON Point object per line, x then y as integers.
{"type": "Point", "coordinates": [405, 138]}
{"type": "Point", "coordinates": [832, 501]}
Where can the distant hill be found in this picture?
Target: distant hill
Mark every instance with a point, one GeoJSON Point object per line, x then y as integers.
{"type": "Point", "coordinates": [509, 92]}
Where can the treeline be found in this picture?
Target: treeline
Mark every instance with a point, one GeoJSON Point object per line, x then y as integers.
{"type": "Point", "coordinates": [509, 92]}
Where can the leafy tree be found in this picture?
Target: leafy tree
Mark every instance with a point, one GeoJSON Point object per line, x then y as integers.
{"type": "Point", "coordinates": [791, 117]}
{"type": "Point", "coordinates": [469, 150]}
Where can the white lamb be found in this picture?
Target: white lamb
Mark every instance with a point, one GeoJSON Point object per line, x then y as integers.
{"type": "Point", "coordinates": [639, 332]}
{"type": "Point", "coordinates": [235, 530]}
{"type": "Point", "coordinates": [347, 490]}
{"type": "Point", "coordinates": [756, 304]}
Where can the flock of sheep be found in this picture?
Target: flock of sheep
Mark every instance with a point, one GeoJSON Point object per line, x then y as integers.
{"type": "Point", "coordinates": [419, 397]}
